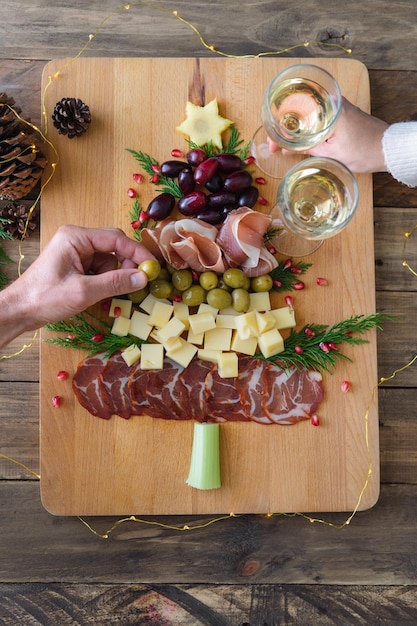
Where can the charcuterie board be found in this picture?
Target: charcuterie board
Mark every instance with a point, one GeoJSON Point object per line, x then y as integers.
{"type": "Point", "coordinates": [91, 466]}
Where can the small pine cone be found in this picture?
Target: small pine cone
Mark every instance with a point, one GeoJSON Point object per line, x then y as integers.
{"type": "Point", "coordinates": [17, 216]}
{"type": "Point", "coordinates": [71, 117]}
{"type": "Point", "coordinates": [21, 159]}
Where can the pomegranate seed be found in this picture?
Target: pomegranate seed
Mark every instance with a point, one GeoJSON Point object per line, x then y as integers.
{"type": "Point", "coordinates": [195, 276]}
{"type": "Point", "coordinates": [324, 346]}
{"type": "Point", "coordinates": [315, 420]}
{"type": "Point", "coordinates": [296, 270]}
{"type": "Point", "coordinates": [138, 178]}
{"type": "Point", "coordinates": [298, 350]}
{"type": "Point", "coordinates": [106, 305]}
{"type": "Point", "coordinates": [309, 332]}
{"type": "Point", "coordinates": [260, 180]}
{"type": "Point", "coordinates": [71, 336]}
{"type": "Point", "coordinates": [135, 224]}
{"type": "Point", "coordinates": [131, 193]}
{"type": "Point", "coordinates": [56, 402]}
{"type": "Point", "coordinates": [332, 346]}
{"type": "Point", "coordinates": [143, 217]}
{"type": "Point", "coordinates": [289, 300]}
{"type": "Point", "coordinates": [271, 249]}
{"type": "Point", "coordinates": [177, 153]}
{"type": "Point", "coordinates": [177, 297]}
{"type": "Point", "coordinates": [277, 283]}
{"type": "Point", "coordinates": [345, 386]}
{"type": "Point", "coordinates": [287, 264]}
{"type": "Point", "coordinates": [262, 201]}
{"type": "Point", "coordinates": [322, 282]}
{"type": "Point", "coordinates": [62, 375]}
{"type": "Point", "coordinates": [154, 179]}
{"type": "Point", "coordinates": [98, 337]}
{"type": "Point", "coordinates": [156, 168]}
{"type": "Point", "coordinates": [117, 311]}
{"type": "Point", "coordinates": [299, 286]}
{"type": "Point", "coordinates": [249, 160]}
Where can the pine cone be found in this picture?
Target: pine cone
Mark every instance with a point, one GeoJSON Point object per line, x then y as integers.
{"type": "Point", "coordinates": [21, 160]}
{"type": "Point", "coordinates": [71, 117]}
{"type": "Point", "coordinates": [17, 215]}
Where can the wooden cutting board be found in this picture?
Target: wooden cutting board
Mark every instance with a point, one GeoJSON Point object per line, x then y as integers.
{"type": "Point", "coordinates": [139, 466]}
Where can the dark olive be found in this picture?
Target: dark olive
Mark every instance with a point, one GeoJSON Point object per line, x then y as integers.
{"type": "Point", "coordinates": [237, 181]}
{"type": "Point", "coordinates": [161, 206]}
{"type": "Point", "coordinates": [171, 169]}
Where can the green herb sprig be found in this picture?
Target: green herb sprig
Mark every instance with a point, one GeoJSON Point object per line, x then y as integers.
{"type": "Point", "coordinates": [316, 346]}
{"type": "Point", "coordinates": [148, 164]}
{"type": "Point", "coordinates": [4, 258]}
{"type": "Point", "coordinates": [287, 274]}
{"type": "Point", "coordinates": [80, 334]}
{"type": "Point", "coordinates": [233, 145]}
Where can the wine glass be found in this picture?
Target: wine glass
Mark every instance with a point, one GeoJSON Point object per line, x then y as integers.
{"type": "Point", "coordinates": [316, 199]}
{"type": "Point", "coordinates": [299, 110]}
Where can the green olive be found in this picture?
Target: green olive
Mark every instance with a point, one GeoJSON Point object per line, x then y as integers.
{"type": "Point", "coordinates": [160, 288]}
{"type": "Point", "coordinates": [182, 279]}
{"type": "Point", "coordinates": [194, 296]}
{"type": "Point", "coordinates": [236, 278]}
{"type": "Point", "coordinates": [240, 300]}
{"type": "Point", "coordinates": [219, 298]}
{"type": "Point", "coordinates": [164, 274]}
{"type": "Point", "coordinates": [151, 267]}
{"type": "Point", "coordinates": [209, 280]}
{"type": "Point", "coordinates": [138, 296]}
{"type": "Point", "coordinates": [222, 285]}
{"type": "Point", "coordinates": [261, 283]}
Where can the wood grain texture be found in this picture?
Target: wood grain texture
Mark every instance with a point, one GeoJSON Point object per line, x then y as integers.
{"type": "Point", "coordinates": [149, 457]}
{"type": "Point", "coordinates": [379, 35]}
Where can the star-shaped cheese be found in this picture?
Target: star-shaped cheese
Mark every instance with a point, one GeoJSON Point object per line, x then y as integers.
{"type": "Point", "coordinates": [204, 124]}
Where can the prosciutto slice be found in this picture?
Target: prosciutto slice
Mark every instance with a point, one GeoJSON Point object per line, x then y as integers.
{"type": "Point", "coordinates": [262, 393]}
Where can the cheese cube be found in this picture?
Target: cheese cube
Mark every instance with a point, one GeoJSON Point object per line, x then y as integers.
{"type": "Point", "coordinates": [259, 301]}
{"type": "Point", "coordinates": [149, 302]}
{"type": "Point", "coordinates": [218, 339]}
{"type": "Point", "coordinates": [124, 306]}
{"type": "Point", "coordinates": [200, 322]}
{"type": "Point", "coordinates": [229, 310]}
{"type": "Point", "coordinates": [160, 314]}
{"type": "Point", "coordinates": [265, 321]}
{"type": "Point", "coordinates": [208, 355]}
{"type": "Point", "coordinates": [204, 307]}
{"type": "Point", "coordinates": [173, 328]}
{"type": "Point", "coordinates": [226, 321]}
{"type": "Point", "coordinates": [284, 317]}
{"type": "Point", "coordinates": [140, 325]}
{"type": "Point", "coordinates": [152, 356]}
{"type": "Point", "coordinates": [131, 354]}
{"type": "Point", "coordinates": [228, 364]}
{"type": "Point", "coordinates": [245, 346]}
{"type": "Point", "coordinates": [121, 326]}
{"type": "Point", "coordinates": [246, 325]}
{"type": "Point", "coordinates": [181, 311]}
{"type": "Point", "coordinates": [196, 338]}
{"type": "Point", "coordinates": [172, 344]}
{"type": "Point", "coordinates": [184, 354]}
{"type": "Point", "coordinates": [271, 343]}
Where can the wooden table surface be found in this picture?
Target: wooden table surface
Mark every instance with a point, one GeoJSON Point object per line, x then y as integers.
{"type": "Point", "coordinates": [249, 570]}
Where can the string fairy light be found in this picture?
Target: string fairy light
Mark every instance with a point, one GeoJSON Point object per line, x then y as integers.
{"type": "Point", "coordinates": [43, 134]}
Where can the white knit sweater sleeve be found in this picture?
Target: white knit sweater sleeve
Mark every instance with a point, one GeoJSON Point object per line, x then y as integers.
{"type": "Point", "coordinates": [399, 144]}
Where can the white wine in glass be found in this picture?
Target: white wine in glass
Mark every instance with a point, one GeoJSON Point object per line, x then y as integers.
{"type": "Point", "coordinates": [299, 110]}
{"type": "Point", "coordinates": [316, 199]}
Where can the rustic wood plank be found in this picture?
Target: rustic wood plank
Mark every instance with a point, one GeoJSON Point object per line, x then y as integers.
{"type": "Point", "coordinates": [207, 605]}
{"type": "Point", "coordinates": [37, 547]}
{"type": "Point", "coordinates": [380, 37]}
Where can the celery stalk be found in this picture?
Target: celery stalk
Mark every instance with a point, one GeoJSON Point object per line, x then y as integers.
{"type": "Point", "coordinates": [205, 457]}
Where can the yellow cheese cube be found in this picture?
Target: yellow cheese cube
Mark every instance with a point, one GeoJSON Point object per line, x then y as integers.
{"type": "Point", "coordinates": [218, 339]}
{"type": "Point", "coordinates": [208, 355]}
{"type": "Point", "coordinates": [204, 307]}
{"type": "Point", "coordinates": [246, 325]}
{"type": "Point", "coordinates": [271, 343]}
{"type": "Point", "coordinates": [226, 321]}
{"type": "Point", "coordinates": [140, 325]}
{"type": "Point", "coordinates": [173, 328]}
{"type": "Point", "coordinates": [196, 338]}
{"type": "Point", "coordinates": [131, 354]}
{"type": "Point", "coordinates": [260, 301]}
{"type": "Point", "coordinates": [245, 346]}
{"type": "Point", "coordinates": [284, 317]}
{"type": "Point", "coordinates": [265, 321]}
{"type": "Point", "coordinates": [160, 314]}
{"type": "Point", "coordinates": [149, 302]}
{"type": "Point", "coordinates": [200, 322]}
{"type": "Point", "coordinates": [121, 326]}
{"type": "Point", "coordinates": [172, 344]}
{"type": "Point", "coordinates": [124, 306]}
{"type": "Point", "coordinates": [152, 356]}
{"type": "Point", "coordinates": [230, 310]}
{"type": "Point", "coordinates": [181, 311]}
{"type": "Point", "coordinates": [228, 365]}
{"type": "Point", "coordinates": [184, 354]}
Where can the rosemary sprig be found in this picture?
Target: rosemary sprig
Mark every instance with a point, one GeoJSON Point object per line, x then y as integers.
{"type": "Point", "coordinates": [4, 258]}
{"type": "Point", "coordinates": [287, 274]}
{"type": "Point", "coordinates": [136, 220]}
{"type": "Point", "coordinates": [232, 146]}
{"type": "Point", "coordinates": [80, 334]}
{"type": "Point", "coordinates": [316, 346]}
{"type": "Point", "coordinates": [150, 165]}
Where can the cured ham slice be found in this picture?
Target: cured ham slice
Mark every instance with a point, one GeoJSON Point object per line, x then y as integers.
{"type": "Point", "coordinates": [262, 393]}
